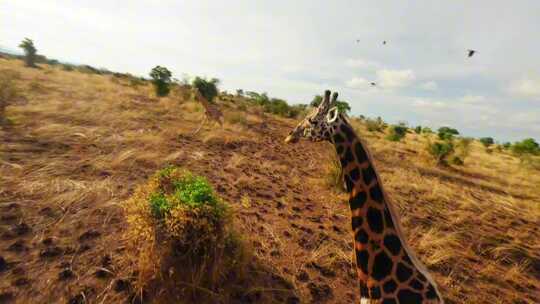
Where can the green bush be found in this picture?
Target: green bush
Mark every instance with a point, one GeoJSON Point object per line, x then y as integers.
{"type": "Point", "coordinates": [418, 129]}
{"type": "Point", "coordinates": [441, 151]}
{"type": "Point", "coordinates": [396, 133]}
{"type": "Point", "coordinates": [456, 160]}
{"type": "Point", "coordinates": [181, 231]}
{"type": "Point", "coordinates": [506, 145]}
{"type": "Point", "coordinates": [161, 79]}
{"type": "Point", "coordinates": [487, 141]}
{"type": "Point", "coordinates": [30, 52]}
{"type": "Point", "coordinates": [207, 88]}
{"type": "Point", "coordinates": [526, 146]}
{"type": "Point", "coordinates": [447, 133]}
{"type": "Point", "coordinates": [427, 130]}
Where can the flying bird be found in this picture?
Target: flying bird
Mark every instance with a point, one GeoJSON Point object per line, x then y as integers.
{"type": "Point", "coordinates": [471, 52]}
{"type": "Point", "coordinates": [384, 42]}
{"type": "Point", "coordinates": [373, 84]}
{"type": "Point", "coordinates": [357, 40]}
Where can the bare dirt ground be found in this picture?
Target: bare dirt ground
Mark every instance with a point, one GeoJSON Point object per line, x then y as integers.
{"type": "Point", "coordinates": [78, 144]}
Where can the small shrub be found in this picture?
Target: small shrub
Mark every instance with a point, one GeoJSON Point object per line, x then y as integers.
{"type": "Point", "coordinates": [446, 133]}
{"type": "Point", "coordinates": [441, 151]}
{"type": "Point", "coordinates": [177, 222]}
{"type": "Point", "coordinates": [427, 130]}
{"type": "Point", "coordinates": [207, 88]}
{"type": "Point", "coordinates": [396, 133]}
{"type": "Point", "coordinates": [418, 129]}
{"type": "Point", "coordinates": [487, 141]}
{"type": "Point", "coordinates": [526, 146]}
{"type": "Point", "coordinates": [161, 79]}
{"type": "Point", "coordinates": [30, 52]}
{"type": "Point", "coordinates": [456, 160]}
{"type": "Point", "coordinates": [506, 145]}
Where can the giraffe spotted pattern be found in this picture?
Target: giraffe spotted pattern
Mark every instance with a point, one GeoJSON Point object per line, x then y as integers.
{"type": "Point", "coordinates": [387, 270]}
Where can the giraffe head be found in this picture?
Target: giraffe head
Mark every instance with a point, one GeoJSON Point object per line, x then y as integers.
{"type": "Point", "coordinates": [320, 124]}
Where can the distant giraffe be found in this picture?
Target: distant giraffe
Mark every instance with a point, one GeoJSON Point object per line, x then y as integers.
{"type": "Point", "coordinates": [211, 111]}
{"type": "Point", "coordinates": [388, 271]}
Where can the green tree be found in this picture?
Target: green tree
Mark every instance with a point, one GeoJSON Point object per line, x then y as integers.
{"type": "Point", "coordinates": [207, 88]}
{"type": "Point", "coordinates": [396, 133]}
{"type": "Point", "coordinates": [418, 129]}
{"type": "Point", "coordinates": [441, 151]}
{"type": "Point", "coordinates": [427, 130]}
{"type": "Point", "coordinates": [487, 141]}
{"type": "Point", "coordinates": [447, 133]}
{"type": "Point", "coordinates": [526, 146]}
{"type": "Point", "coordinates": [30, 52]}
{"type": "Point", "coordinates": [161, 79]}
{"type": "Point", "coordinates": [507, 145]}
{"type": "Point", "coordinates": [343, 106]}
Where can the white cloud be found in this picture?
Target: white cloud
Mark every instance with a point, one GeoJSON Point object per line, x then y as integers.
{"type": "Point", "coordinates": [429, 104]}
{"type": "Point", "coordinates": [526, 87]}
{"type": "Point", "coordinates": [472, 99]}
{"type": "Point", "coordinates": [429, 86]}
{"type": "Point", "coordinates": [357, 83]}
{"type": "Point", "coordinates": [395, 78]}
{"type": "Point", "coordinates": [361, 63]}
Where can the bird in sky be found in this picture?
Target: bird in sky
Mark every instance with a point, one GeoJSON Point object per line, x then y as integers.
{"type": "Point", "coordinates": [373, 84]}
{"type": "Point", "coordinates": [471, 53]}
{"type": "Point", "coordinates": [384, 42]}
{"type": "Point", "coordinates": [357, 40]}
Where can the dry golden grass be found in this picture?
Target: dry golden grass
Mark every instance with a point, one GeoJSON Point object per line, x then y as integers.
{"type": "Point", "coordinates": [80, 144]}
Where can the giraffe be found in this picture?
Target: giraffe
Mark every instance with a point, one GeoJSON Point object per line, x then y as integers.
{"type": "Point", "coordinates": [387, 269]}
{"type": "Point", "coordinates": [211, 111]}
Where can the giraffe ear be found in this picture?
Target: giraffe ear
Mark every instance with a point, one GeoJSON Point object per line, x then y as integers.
{"type": "Point", "coordinates": [334, 99]}
{"type": "Point", "coordinates": [325, 103]}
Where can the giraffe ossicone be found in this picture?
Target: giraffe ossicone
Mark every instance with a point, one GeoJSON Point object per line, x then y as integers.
{"type": "Point", "coordinates": [387, 269]}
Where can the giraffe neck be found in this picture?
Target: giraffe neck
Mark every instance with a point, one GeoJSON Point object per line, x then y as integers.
{"type": "Point", "coordinates": [386, 267]}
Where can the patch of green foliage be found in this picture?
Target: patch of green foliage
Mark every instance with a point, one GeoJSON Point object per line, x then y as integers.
{"type": "Point", "coordinates": [161, 79]}
{"type": "Point", "coordinates": [487, 141]}
{"type": "Point", "coordinates": [207, 88]}
{"type": "Point", "coordinates": [526, 146]}
{"type": "Point", "coordinates": [427, 130]}
{"type": "Point", "coordinates": [159, 205]}
{"type": "Point", "coordinates": [181, 187]}
{"type": "Point", "coordinates": [441, 150]}
{"type": "Point", "coordinates": [447, 133]}
{"type": "Point", "coordinates": [276, 106]}
{"type": "Point", "coordinates": [396, 132]}
{"type": "Point", "coordinates": [418, 129]}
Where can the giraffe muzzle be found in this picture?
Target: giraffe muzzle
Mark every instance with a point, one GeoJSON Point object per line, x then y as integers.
{"type": "Point", "coordinates": [291, 139]}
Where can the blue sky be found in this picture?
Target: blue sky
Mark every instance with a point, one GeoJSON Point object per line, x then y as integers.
{"type": "Point", "coordinates": [294, 50]}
